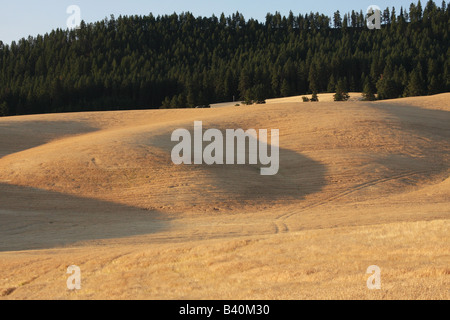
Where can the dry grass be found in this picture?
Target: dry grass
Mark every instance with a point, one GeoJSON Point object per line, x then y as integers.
{"type": "Point", "coordinates": [360, 184]}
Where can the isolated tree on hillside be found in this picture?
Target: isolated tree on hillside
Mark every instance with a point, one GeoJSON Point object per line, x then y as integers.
{"type": "Point", "coordinates": [341, 91]}
{"type": "Point", "coordinates": [315, 97]}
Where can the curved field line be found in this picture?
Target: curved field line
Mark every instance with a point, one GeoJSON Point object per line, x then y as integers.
{"type": "Point", "coordinates": [352, 190]}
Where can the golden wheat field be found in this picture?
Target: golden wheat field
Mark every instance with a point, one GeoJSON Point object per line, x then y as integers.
{"type": "Point", "coordinates": [359, 184]}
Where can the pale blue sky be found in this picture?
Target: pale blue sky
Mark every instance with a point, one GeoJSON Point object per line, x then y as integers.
{"type": "Point", "coordinates": [20, 18]}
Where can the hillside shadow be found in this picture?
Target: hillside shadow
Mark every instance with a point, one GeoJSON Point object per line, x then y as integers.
{"type": "Point", "coordinates": [431, 131]}
{"type": "Point", "coordinates": [430, 123]}
{"type": "Point", "coordinates": [297, 177]}
{"type": "Point", "coordinates": [33, 219]}
{"type": "Point", "coordinates": [16, 136]}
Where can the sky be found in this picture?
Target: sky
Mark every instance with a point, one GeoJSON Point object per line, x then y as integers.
{"type": "Point", "coordinates": [20, 18]}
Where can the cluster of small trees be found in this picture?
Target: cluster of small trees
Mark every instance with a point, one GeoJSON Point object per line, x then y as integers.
{"type": "Point", "coordinates": [184, 61]}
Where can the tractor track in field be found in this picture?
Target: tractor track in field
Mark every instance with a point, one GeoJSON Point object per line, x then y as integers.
{"type": "Point", "coordinates": [280, 220]}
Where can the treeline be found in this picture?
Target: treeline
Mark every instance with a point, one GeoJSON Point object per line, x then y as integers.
{"type": "Point", "coordinates": [182, 61]}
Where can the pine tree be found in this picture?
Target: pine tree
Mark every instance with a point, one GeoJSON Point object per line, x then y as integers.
{"type": "Point", "coordinates": [368, 92]}
{"type": "Point", "coordinates": [331, 85]}
{"type": "Point", "coordinates": [337, 20]}
{"type": "Point", "coordinates": [387, 89]}
{"type": "Point", "coordinates": [167, 103]}
{"type": "Point", "coordinates": [416, 85]}
{"type": "Point", "coordinates": [4, 109]}
{"type": "Point", "coordinates": [341, 91]}
{"type": "Point", "coordinates": [285, 90]}
{"type": "Point", "coordinates": [419, 10]}
{"type": "Point", "coordinates": [435, 85]}
{"type": "Point", "coordinates": [345, 23]}
{"type": "Point", "coordinates": [314, 78]}
{"type": "Point", "coordinates": [386, 16]}
{"type": "Point", "coordinates": [447, 72]}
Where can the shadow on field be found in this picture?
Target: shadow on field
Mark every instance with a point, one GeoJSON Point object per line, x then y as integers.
{"type": "Point", "coordinates": [37, 219]}
{"type": "Point", "coordinates": [429, 129]}
{"type": "Point", "coordinates": [16, 136]}
{"type": "Point", "coordinates": [427, 123]}
{"type": "Point", "coordinates": [297, 177]}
